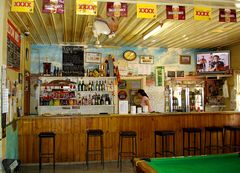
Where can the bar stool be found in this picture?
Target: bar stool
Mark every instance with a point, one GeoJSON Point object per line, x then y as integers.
{"type": "Point", "coordinates": [193, 131]}
{"type": "Point", "coordinates": [233, 131]}
{"type": "Point", "coordinates": [211, 131]}
{"type": "Point", "coordinates": [95, 133]}
{"type": "Point", "coordinates": [164, 135]}
{"type": "Point", "coordinates": [127, 135]}
{"type": "Point", "coordinates": [47, 135]}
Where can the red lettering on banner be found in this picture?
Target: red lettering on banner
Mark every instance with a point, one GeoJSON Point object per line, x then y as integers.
{"type": "Point", "coordinates": [22, 4]}
{"type": "Point", "coordinates": [87, 7]}
{"type": "Point", "coordinates": [199, 13]}
{"type": "Point", "coordinates": [146, 10]}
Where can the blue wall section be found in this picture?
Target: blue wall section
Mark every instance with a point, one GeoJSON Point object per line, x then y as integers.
{"type": "Point", "coordinates": [12, 142]}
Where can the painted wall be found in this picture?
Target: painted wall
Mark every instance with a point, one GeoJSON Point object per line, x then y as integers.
{"type": "Point", "coordinates": [167, 57]}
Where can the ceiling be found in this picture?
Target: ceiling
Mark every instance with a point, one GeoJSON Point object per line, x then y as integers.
{"type": "Point", "coordinates": [76, 29]}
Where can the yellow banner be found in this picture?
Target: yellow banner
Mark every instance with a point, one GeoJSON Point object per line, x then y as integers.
{"type": "Point", "coordinates": [146, 11]}
{"type": "Point", "coordinates": [202, 13]}
{"type": "Point", "coordinates": [86, 7]}
{"type": "Point", "coordinates": [26, 6]}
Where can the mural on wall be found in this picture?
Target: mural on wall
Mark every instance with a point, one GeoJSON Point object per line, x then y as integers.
{"type": "Point", "coordinates": [166, 57]}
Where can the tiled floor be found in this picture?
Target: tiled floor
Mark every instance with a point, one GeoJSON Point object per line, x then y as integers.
{"type": "Point", "coordinates": [110, 167]}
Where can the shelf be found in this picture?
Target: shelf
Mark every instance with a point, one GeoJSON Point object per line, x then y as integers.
{"type": "Point", "coordinates": [79, 106]}
{"type": "Point", "coordinates": [201, 77]}
{"type": "Point", "coordinates": [94, 91]}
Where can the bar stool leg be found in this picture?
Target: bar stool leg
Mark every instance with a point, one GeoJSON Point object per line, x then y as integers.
{"type": "Point", "coordinates": [183, 143]}
{"type": "Point", "coordinates": [40, 152]}
{"type": "Point", "coordinates": [87, 151]}
{"type": "Point", "coordinates": [119, 140]}
{"type": "Point", "coordinates": [163, 146]}
{"type": "Point", "coordinates": [200, 147]}
{"type": "Point", "coordinates": [135, 146]}
{"type": "Point", "coordinates": [102, 151]}
{"type": "Point", "coordinates": [189, 143]}
{"type": "Point", "coordinates": [194, 142]}
{"type": "Point", "coordinates": [155, 144]}
{"type": "Point", "coordinates": [54, 153]}
{"type": "Point", "coordinates": [210, 151]}
{"type": "Point", "coordinates": [174, 145]}
{"type": "Point", "coordinates": [217, 144]}
{"type": "Point", "coordinates": [205, 142]}
{"type": "Point", "coordinates": [121, 154]}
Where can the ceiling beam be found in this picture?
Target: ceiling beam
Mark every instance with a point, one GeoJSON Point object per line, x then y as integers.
{"type": "Point", "coordinates": [54, 27]}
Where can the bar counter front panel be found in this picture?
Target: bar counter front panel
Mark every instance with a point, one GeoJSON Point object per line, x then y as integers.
{"type": "Point", "coordinates": [71, 132]}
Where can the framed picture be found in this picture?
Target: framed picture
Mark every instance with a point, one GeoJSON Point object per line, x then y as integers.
{"type": "Point", "coordinates": [93, 57]}
{"type": "Point", "coordinates": [171, 74]}
{"type": "Point", "coordinates": [180, 73]}
{"type": "Point", "coordinates": [185, 59]}
{"type": "Point", "coordinates": [146, 59]}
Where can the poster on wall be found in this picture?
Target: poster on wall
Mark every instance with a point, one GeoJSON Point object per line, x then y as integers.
{"type": "Point", "coordinates": [53, 6]}
{"type": "Point", "coordinates": [227, 15]}
{"type": "Point", "coordinates": [117, 9]}
{"type": "Point", "coordinates": [26, 6]}
{"type": "Point", "coordinates": [13, 47]}
{"type": "Point", "coordinates": [159, 76]}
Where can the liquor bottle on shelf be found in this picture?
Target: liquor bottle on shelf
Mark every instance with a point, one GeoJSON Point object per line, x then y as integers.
{"type": "Point", "coordinates": [97, 86]}
{"type": "Point", "coordinates": [92, 86]}
{"type": "Point", "coordinates": [79, 86]}
{"type": "Point", "coordinates": [89, 86]}
{"type": "Point", "coordinates": [83, 86]}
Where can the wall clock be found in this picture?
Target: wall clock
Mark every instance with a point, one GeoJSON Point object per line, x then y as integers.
{"type": "Point", "coordinates": [129, 55]}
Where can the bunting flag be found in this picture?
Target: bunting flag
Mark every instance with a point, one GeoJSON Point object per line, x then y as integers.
{"type": "Point", "coordinates": [26, 6]}
{"type": "Point", "coordinates": [146, 11]}
{"type": "Point", "coordinates": [53, 6]}
{"type": "Point", "coordinates": [86, 7]}
{"type": "Point", "coordinates": [202, 13]}
{"type": "Point", "coordinates": [175, 12]}
{"type": "Point", "coordinates": [227, 15]}
{"type": "Point", "coordinates": [117, 9]}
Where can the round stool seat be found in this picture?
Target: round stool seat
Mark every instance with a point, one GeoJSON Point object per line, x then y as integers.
{"type": "Point", "coordinates": [213, 129]}
{"type": "Point", "coordinates": [128, 133]}
{"type": "Point", "coordinates": [192, 130]}
{"type": "Point", "coordinates": [47, 134]}
{"type": "Point", "coordinates": [164, 133]}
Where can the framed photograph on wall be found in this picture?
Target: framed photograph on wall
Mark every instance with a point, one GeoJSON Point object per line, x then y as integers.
{"type": "Point", "coordinates": [171, 74]}
{"type": "Point", "coordinates": [93, 57]}
{"type": "Point", "coordinates": [185, 59]}
{"type": "Point", "coordinates": [146, 59]}
{"type": "Point", "coordinates": [180, 73]}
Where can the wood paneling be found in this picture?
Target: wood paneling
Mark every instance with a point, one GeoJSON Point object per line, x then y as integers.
{"type": "Point", "coordinates": [71, 132]}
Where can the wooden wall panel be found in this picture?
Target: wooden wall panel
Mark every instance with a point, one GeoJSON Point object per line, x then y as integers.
{"type": "Point", "coordinates": [71, 133]}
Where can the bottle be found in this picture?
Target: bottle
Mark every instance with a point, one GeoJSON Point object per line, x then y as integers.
{"type": "Point", "coordinates": [101, 100]}
{"type": "Point", "coordinates": [96, 86]}
{"type": "Point", "coordinates": [89, 86]}
{"type": "Point", "coordinates": [103, 86]}
{"type": "Point", "coordinates": [57, 71]}
{"type": "Point", "coordinates": [79, 86]}
{"type": "Point", "coordinates": [83, 86]}
{"type": "Point", "coordinates": [92, 86]}
{"type": "Point", "coordinates": [54, 71]}
{"type": "Point", "coordinates": [107, 100]}
{"type": "Point", "coordinates": [93, 100]}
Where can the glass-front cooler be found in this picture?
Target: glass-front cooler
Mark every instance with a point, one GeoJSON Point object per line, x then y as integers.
{"type": "Point", "coordinates": [184, 98]}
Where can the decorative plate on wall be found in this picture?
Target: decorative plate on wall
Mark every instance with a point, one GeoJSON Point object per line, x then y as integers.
{"type": "Point", "coordinates": [129, 55]}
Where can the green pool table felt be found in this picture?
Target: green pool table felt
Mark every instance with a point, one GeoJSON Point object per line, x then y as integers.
{"type": "Point", "coordinates": [224, 163]}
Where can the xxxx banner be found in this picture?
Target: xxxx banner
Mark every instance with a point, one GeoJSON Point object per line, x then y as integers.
{"type": "Point", "coordinates": [202, 13]}
{"type": "Point", "coordinates": [26, 6]}
{"type": "Point", "coordinates": [86, 7]}
{"type": "Point", "coordinates": [146, 11]}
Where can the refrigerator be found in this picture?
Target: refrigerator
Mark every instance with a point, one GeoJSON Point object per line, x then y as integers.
{"type": "Point", "coordinates": [184, 98]}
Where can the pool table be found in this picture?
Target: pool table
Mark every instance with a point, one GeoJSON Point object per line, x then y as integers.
{"type": "Point", "coordinates": [222, 163]}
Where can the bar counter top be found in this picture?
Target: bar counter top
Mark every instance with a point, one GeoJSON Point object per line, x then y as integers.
{"type": "Point", "coordinates": [71, 132]}
{"type": "Point", "coordinates": [130, 115]}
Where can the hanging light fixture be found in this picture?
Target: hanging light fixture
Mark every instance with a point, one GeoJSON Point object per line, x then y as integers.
{"type": "Point", "coordinates": [154, 31]}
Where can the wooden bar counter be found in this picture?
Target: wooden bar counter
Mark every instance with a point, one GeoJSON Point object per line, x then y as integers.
{"type": "Point", "coordinates": [71, 132]}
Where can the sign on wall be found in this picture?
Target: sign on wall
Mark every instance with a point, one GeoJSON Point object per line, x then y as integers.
{"type": "Point", "coordinates": [13, 46]}
{"type": "Point", "coordinates": [53, 6]}
{"type": "Point", "coordinates": [86, 7]}
{"type": "Point", "coordinates": [26, 6]}
{"type": "Point", "coordinates": [146, 11]}
{"type": "Point", "coordinates": [227, 15]}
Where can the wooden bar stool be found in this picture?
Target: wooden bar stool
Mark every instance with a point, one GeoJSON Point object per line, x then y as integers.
{"type": "Point", "coordinates": [189, 148]}
{"type": "Point", "coordinates": [210, 146]}
{"type": "Point", "coordinates": [164, 135]}
{"type": "Point", "coordinates": [233, 146]}
{"type": "Point", "coordinates": [127, 135]}
{"type": "Point", "coordinates": [95, 133]}
{"type": "Point", "coordinates": [46, 135]}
